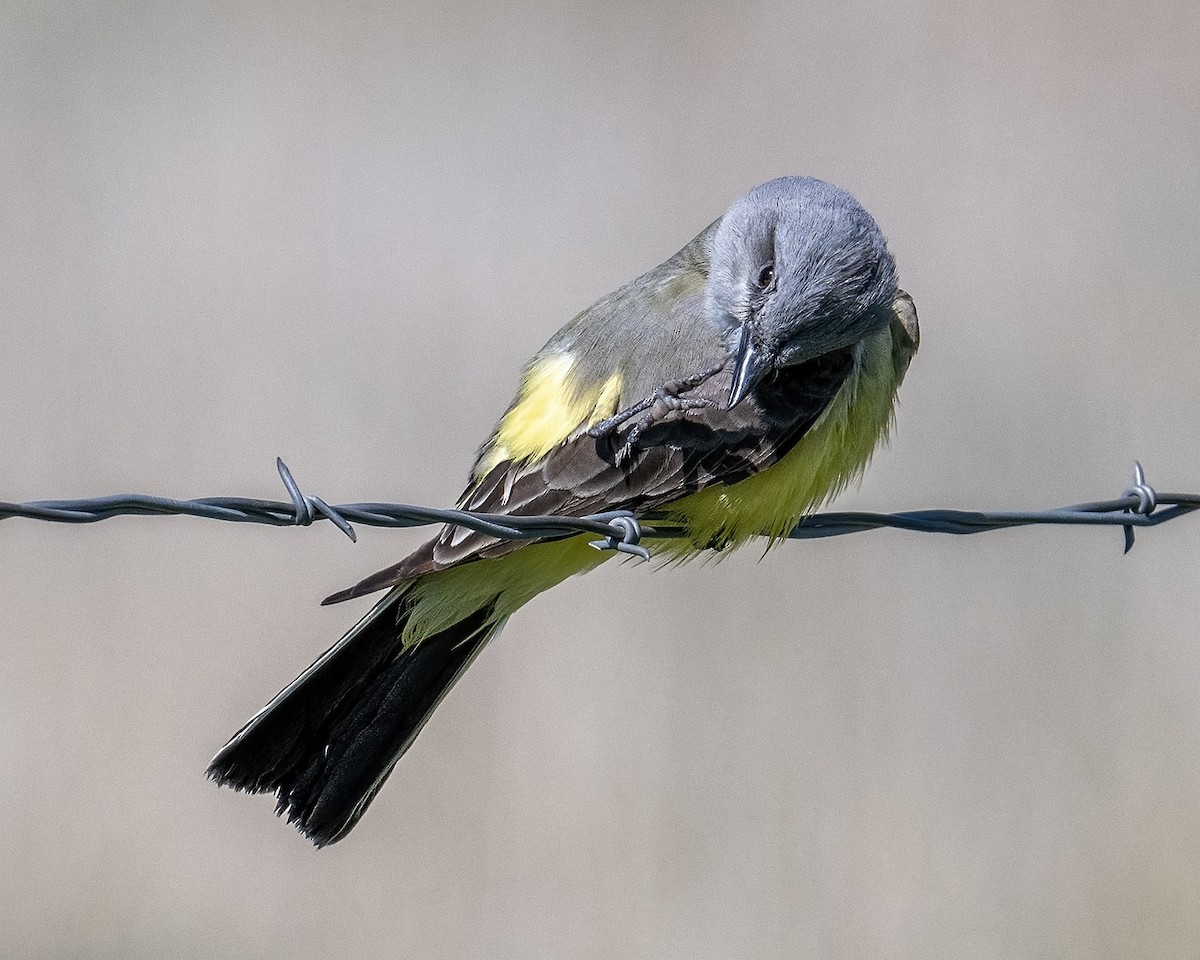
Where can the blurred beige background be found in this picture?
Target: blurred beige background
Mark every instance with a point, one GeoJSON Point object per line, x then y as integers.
{"type": "Point", "coordinates": [334, 232]}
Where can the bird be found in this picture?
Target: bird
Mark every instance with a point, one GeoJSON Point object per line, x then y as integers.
{"type": "Point", "coordinates": [727, 393]}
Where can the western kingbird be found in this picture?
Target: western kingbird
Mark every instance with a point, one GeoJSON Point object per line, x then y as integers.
{"type": "Point", "coordinates": [730, 391]}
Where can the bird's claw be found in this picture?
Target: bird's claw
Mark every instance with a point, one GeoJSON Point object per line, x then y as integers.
{"type": "Point", "coordinates": [653, 409]}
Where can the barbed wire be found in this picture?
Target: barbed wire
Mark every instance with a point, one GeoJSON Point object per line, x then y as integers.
{"type": "Point", "coordinates": [1139, 505]}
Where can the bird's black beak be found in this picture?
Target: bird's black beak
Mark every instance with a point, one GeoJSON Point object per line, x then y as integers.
{"type": "Point", "coordinates": [748, 369]}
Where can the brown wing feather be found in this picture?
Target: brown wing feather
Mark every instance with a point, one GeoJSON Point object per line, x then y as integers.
{"type": "Point", "coordinates": [685, 452]}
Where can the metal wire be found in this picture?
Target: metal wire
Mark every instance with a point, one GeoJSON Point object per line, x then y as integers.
{"type": "Point", "coordinates": [1139, 505]}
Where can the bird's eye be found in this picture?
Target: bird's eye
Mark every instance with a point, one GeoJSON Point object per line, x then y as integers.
{"type": "Point", "coordinates": [766, 276]}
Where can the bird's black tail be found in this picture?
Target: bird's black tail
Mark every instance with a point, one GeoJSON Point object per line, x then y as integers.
{"type": "Point", "coordinates": [330, 738]}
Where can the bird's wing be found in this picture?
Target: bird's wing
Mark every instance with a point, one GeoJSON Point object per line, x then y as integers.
{"type": "Point", "coordinates": [684, 452]}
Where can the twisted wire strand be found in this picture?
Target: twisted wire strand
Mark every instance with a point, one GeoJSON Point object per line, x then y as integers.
{"type": "Point", "coordinates": [1139, 505]}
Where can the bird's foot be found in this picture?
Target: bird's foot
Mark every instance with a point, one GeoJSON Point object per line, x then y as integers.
{"type": "Point", "coordinates": [653, 409]}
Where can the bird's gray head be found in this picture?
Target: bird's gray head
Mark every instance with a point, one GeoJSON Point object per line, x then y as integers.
{"type": "Point", "coordinates": [797, 269]}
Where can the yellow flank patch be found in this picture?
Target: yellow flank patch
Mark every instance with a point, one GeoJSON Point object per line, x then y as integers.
{"type": "Point", "coordinates": [503, 583]}
{"type": "Point", "coordinates": [832, 454]}
{"type": "Point", "coordinates": [550, 407]}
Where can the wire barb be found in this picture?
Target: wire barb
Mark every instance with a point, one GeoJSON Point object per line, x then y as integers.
{"type": "Point", "coordinates": [627, 542]}
{"type": "Point", "coordinates": [1147, 500]}
{"type": "Point", "coordinates": [308, 508]}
